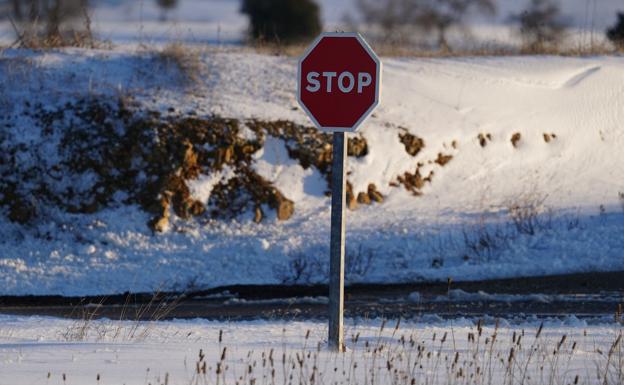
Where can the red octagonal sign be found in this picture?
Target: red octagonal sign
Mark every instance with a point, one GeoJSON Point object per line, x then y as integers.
{"type": "Point", "coordinates": [339, 81]}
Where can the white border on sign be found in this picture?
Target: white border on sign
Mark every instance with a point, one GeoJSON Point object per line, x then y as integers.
{"type": "Point", "coordinates": [373, 56]}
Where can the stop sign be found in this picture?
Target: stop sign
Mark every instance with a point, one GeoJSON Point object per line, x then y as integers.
{"type": "Point", "coordinates": [339, 81]}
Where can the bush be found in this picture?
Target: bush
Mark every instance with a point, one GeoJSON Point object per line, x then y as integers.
{"type": "Point", "coordinates": [541, 26]}
{"type": "Point", "coordinates": [616, 33]}
{"type": "Point", "coordinates": [301, 269]}
{"type": "Point", "coordinates": [288, 21]}
{"type": "Point", "coordinates": [166, 6]}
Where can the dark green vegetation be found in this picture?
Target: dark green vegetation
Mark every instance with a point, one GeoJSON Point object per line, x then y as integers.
{"type": "Point", "coordinates": [616, 33]}
{"type": "Point", "coordinates": [283, 21]}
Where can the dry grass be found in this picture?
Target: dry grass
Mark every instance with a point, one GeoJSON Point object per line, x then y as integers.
{"type": "Point", "coordinates": [186, 59]}
{"type": "Point", "coordinates": [187, 56]}
{"type": "Point", "coordinates": [487, 356]}
{"type": "Point", "coordinates": [404, 50]}
{"type": "Point", "coordinates": [135, 322]}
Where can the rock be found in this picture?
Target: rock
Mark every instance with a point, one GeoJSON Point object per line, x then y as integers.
{"type": "Point", "coordinates": [258, 214]}
{"type": "Point", "coordinates": [228, 154]}
{"type": "Point", "coordinates": [412, 143]}
{"type": "Point", "coordinates": [248, 149]}
{"type": "Point", "coordinates": [357, 147]}
{"type": "Point", "coordinates": [443, 159]}
{"type": "Point", "coordinates": [412, 182]}
{"type": "Point", "coordinates": [373, 194]}
{"type": "Point", "coordinates": [363, 198]}
{"type": "Point", "coordinates": [190, 166]}
{"type": "Point", "coordinates": [484, 138]}
{"type": "Point", "coordinates": [515, 139]}
{"type": "Point", "coordinates": [180, 196]}
{"type": "Point", "coordinates": [159, 225]}
{"type": "Point", "coordinates": [160, 222]}
{"type": "Point", "coordinates": [548, 137]}
{"type": "Point", "coordinates": [196, 208]}
{"type": "Point", "coordinates": [325, 156]}
{"type": "Point", "coordinates": [285, 209]}
{"type": "Point", "coordinates": [350, 197]}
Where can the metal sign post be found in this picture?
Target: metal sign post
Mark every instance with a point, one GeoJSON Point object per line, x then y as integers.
{"type": "Point", "coordinates": [338, 86]}
{"type": "Point", "coordinates": [337, 242]}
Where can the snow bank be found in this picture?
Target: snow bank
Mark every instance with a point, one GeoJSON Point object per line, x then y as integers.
{"type": "Point", "coordinates": [45, 350]}
{"type": "Point", "coordinates": [546, 203]}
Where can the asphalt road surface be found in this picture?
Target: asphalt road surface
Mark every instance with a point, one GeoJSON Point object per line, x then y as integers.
{"type": "Point", "coordinates": [582, 295]}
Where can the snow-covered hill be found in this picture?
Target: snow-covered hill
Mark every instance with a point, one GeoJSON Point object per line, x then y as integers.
{"type": "Point", "coordinates": [485, 167]}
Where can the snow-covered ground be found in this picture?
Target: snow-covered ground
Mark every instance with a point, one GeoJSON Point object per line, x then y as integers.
{"type": "Point", "coordinates": [461, 226]}
{"type": "Point", "coordinates": [38, 350]}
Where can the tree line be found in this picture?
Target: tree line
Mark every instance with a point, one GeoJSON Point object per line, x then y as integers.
{"type": "Point", "coordinates": [539, 26]}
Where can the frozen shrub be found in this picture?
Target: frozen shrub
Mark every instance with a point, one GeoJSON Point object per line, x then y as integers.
{"type": "Point", "coordinates": [358, 262]}
{"type": "Point", "coordinates": [529, 214]}
{"type": "Point", "coordinates": [300, 269]}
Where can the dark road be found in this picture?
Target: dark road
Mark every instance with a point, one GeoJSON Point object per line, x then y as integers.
{"type": "Point", "coordinates": [582, 295]}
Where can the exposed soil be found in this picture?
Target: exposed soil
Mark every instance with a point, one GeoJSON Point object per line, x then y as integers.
{"type": "Point", "coordinates": [118, 153]}
{"type": "Point", "coordinates": [95, 153]}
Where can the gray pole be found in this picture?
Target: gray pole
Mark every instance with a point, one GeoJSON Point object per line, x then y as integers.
{"type": "Point", "coordinates": [337, 243]}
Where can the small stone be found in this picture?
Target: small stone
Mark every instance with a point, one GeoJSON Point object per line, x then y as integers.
{"type": "Point", "coordinates": [373, 194]}
{"type": "Point", "coordinates": [258, 215]}
{"type": "Point", "coordinates": [350, 197]}
{"type": "Point", "coordinates": [363, 198]}
{"type": "Point", "coordinates": [484, 139]}
{"type": "Point", "coordinates": [412, 143]}
{"type": "Point", "coordinates": [228, 154]}
{"type": "Point", "coordinates": [196, 208]}
{"type": "Point", "coordinates": [285, 209]}
{"type": "Point", "coordinates": [190, 165]}
{"type": "Point", "coordinates": [160, 225]}
{"type": "Point", "coordinates": [357, 147]}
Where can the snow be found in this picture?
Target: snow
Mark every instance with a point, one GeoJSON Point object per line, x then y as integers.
{"type": "Point", "coordinates": [572, 182]}
{"type": "Point", "coordinates": [41, 350]}
{"type": "Point", "coordinates": [201, 187]}
{"type": "Point", "coordinates": [458, 295]}
{"type": "Point", "coordinates": [297, 183]}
